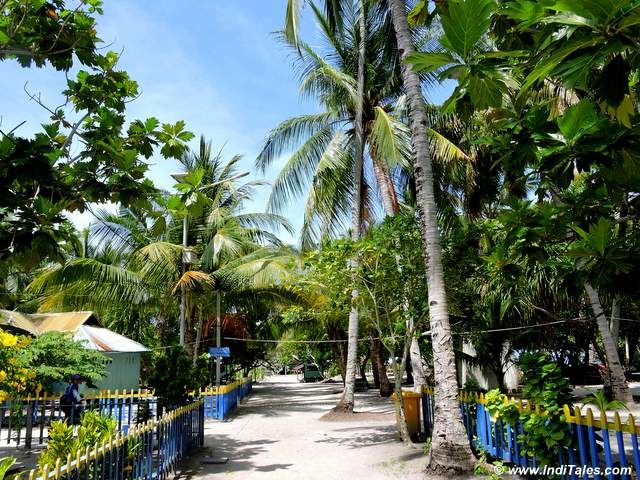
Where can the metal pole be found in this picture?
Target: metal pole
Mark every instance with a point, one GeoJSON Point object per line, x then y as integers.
{"type": "Point", "coordinates": [218, 332]}
{"type": "Point", "coordinates": [183, 292]}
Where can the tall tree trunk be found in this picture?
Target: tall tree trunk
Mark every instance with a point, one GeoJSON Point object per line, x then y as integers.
{"type": "Point", "coordinates": [450, 451]}
{"type": "Point", "coordinates": [334, 332]}
{"type": "Point", "coordinates": [615, 319]}
{"type": "Point", "coordinates": [346, 402]}
{"type": "Point", "coordinates": [377, 358]}
{"type": "Point", "coordinates": [391, 207]}
{"type": "Point", "coordinates": [374, 368]}
{"type": "Point", "coordinates": [408, 369]}
{"type": "Point", "coordinates": [387, 190]}
{"type": "Point", "coordinates": [196, 346]}
{"type": "Point", "coordinates": [619, 386]}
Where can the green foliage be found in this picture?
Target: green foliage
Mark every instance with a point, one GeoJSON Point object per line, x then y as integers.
{"type": "Point", "coordinates": [5, 464]}
{"type": "Point", "coordinates": [471, 385]}
{"type": "Point", "coordinates": [546, 432]}
{"type": "Point", "coordinates": [173, 376]}
{"type": "Point", "coordinates": [55, 356]}
{"type": "Point", "coordinates": [40, 31]}
{"type": "Point", "coordinates": [93, 431]}
{"type": "Point", "coordinates": [602, 403]}
{"type": "Point", "coordinates": [86, 152]}
{"type": "Point", "coordinates": [59, 445]}
{"type": "Point", "coordinates": [543, 381]}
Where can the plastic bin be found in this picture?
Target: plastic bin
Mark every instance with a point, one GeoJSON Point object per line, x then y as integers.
{"type": "Point", "coordinates": [412, 404]}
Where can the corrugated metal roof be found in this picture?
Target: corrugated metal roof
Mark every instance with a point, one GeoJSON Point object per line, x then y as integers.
{"type": "Point", "coordinates": [63, 321]}
{"type": "Point", "coordinates": [17, 320]}
{"type": "Point", "coordinates": [84, 325]}
{"type": "Point", "coordinates": [104, 340]}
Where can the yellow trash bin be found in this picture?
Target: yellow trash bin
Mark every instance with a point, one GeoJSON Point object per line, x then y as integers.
{"type": "Point", "coordinates": [412, 403]}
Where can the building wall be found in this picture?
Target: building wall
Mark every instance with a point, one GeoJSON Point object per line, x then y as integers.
{"type": "Point", "coordinates": [123, 372]}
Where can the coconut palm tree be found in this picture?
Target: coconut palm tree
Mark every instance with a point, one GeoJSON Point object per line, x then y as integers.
{"type": "Point", "coordinates": [229, 243]}
{"type": "Point", "coordinates": [450, 447]}
{"type": "Point", "coordinates": [323, 161]}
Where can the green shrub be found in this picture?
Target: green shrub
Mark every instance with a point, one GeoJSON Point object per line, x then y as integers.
{"type": "Point", "coordinates": [5, 464]}
{"type": "Point", "coordinates": [545, 433]}
{"type": "Point", "coordinates": [94, 429]}
{"type": "Point", "coordinates": [55, 356]}
{"type": "Point", "coordinates": [174, 377]}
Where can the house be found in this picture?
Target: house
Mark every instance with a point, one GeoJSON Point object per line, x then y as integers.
{"type": "Point", "coordinates": [123, 370]}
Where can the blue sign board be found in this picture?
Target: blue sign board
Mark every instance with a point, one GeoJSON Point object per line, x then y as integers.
{"type": "Point", "coordinates": [219, 352]}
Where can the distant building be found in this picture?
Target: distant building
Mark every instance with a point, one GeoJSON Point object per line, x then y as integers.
{"type": "Point", "coordinates": [123, 370]}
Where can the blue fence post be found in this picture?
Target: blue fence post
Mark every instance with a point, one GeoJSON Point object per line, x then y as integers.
{"type": "Point", "coordinates": [622, 455]}
{"type": "Point", "coordinates": [593, 446]}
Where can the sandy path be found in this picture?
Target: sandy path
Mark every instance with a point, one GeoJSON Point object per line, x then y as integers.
{"type": "Point", "coordinates": [277, 434]}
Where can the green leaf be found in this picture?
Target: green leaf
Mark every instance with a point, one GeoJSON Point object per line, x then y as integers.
{"type": "Point", "coordinates": [547, 65]}
{"type": "Point", "coordinates": [465, 24]}
{"type": "Point", "coordinates": [428, 62]}
{"type": "Point", "coordinates": [600, 235]}
{"type": "Point", "coordinates": [578, 120]}
{"type": "Point", "coordinates": [484, 91]}
{"type": "Point", "coordinates": [600, 10]}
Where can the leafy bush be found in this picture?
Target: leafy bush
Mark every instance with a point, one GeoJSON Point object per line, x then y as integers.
{"type": "Point", "coordinates": [5, 464]}
{"type": "Point", "coordinates": [55, 356]}
{"type": "Point", "coordinates": [173, 376]}
{"type": "Point", "coordinates": [545, 433]}
{"type": "Point", "coordinates": [94, 429]}
{"type": "Point", "coordinates": [472, 385]}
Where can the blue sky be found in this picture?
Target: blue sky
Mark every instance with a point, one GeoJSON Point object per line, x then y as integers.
{"type": "Point", "coordinates": [214, 64]}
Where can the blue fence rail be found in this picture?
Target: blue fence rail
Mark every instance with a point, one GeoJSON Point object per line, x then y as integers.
{"type": "Point", "coordinates": [26, 421]}
{"type": "Point", "coordinates": [148, 451]}
{"type": "Point", "coordinates": [219, 403]}
{"type": "Point", "coordinates": [598, 443]}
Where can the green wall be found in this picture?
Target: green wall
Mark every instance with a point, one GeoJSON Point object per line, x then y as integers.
{"type": "Point", "coordinates": [122, 372]}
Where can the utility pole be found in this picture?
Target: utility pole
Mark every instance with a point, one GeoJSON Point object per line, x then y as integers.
{"type": "Point", "coordinates": [183, 289]}
{"type": "Point", "coordinates": [218, 334]}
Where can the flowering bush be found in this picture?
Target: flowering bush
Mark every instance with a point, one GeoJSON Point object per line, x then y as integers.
{"type": "Point", "coordinates": [15, 377]}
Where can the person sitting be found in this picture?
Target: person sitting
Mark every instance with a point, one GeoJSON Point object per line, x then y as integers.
{"type": "Point", "coordinates": [71, 402]}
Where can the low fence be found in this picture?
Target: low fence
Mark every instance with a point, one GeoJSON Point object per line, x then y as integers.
{"type": "Point", "coordinates": [26, 420]}
{"type": "Point", "coordinates": [601, 444]}
{"type": "Point", "coordinates": [220, 402]}
{"type": "Point", "coordinates": [150, 450]}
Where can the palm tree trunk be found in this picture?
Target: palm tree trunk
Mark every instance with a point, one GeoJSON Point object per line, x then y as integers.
{"type": "Point", "coordinates": [450, 451]}
{"type": "Point", "coordinates": [196, 346]}
{"type": "Point", "coordinates": [616, 307]}
{"type": "Point", "coordinates": [391, 207]}
{"type": "Point", "coordinates": [387, 190]}
{"type": "Point", "coordinates": [619, 386]}
{"type": "Point", "coordinates": [346, 403]}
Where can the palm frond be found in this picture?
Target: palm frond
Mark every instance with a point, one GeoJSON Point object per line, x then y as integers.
{"type": "Point", "coordinates": [291, 133]}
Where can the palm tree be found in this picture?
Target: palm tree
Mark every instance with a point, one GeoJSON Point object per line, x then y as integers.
{"type": "Point", "coordinates": [347, 401]}
{"type": "Point", "coordinates": [324, 160]}
{"type": "Point", "coordinates": [229, 242]}
{"type": "Point", "coordinates": [450, 447]}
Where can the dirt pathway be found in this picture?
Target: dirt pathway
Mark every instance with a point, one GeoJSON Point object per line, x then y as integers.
{"type": "Point", "coordinates": [277, 434]}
